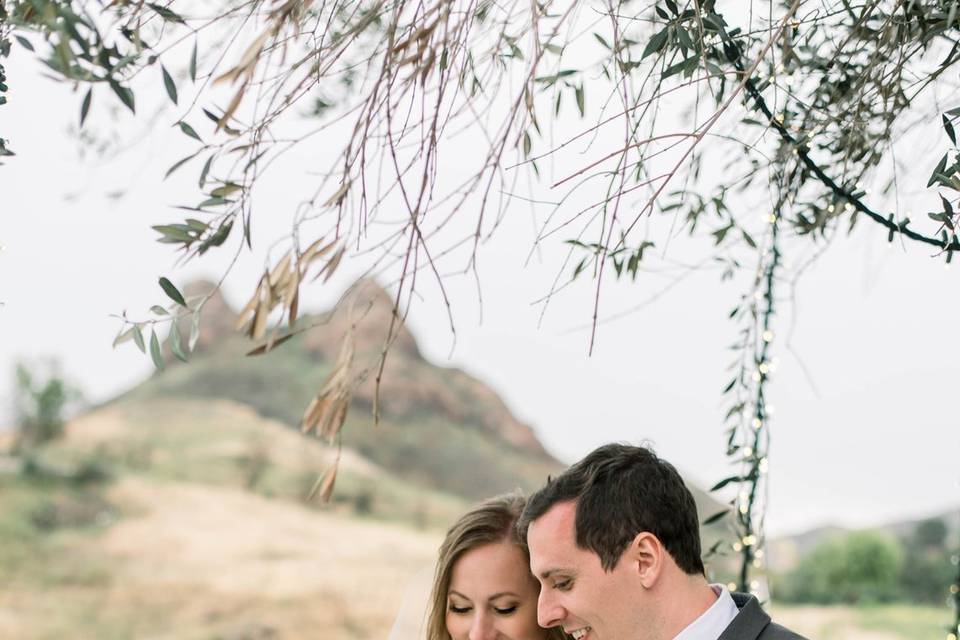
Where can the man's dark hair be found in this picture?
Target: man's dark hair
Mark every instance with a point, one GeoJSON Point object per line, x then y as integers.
{"type": "Point", "coordinates": [621, 490]}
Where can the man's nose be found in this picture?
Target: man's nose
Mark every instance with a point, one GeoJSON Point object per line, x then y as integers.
{"type": "Point", "coordinates": [481, 627]}
{"type": "Point", "coordinates": [549, 612]}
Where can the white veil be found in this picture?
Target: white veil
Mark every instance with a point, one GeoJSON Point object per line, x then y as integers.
{"type": "Point", "coordinates": [411, 621]}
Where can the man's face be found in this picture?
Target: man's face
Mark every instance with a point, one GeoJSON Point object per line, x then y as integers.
{"type": "Point", "coordinates": [576, 593]}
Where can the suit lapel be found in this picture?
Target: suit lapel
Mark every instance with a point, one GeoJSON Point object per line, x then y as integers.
{"type": "Point", "coordinates": [749, 623]}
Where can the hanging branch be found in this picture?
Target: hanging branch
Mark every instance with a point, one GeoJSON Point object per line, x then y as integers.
{"type": "Point", "coordinates": [735, 55]}
{"type": "Point", "coordinates": [749, 434]}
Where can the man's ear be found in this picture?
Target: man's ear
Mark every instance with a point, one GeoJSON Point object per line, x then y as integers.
{"type": "Point", "coordinates": [647, 555]}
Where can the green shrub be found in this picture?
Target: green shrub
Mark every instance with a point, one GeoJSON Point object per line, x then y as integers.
{"type": "Point", "coordinates": [861, 568]}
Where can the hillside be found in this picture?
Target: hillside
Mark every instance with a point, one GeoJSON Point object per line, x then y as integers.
{"type": "Point", "coordinates": [433, 419]}
{"type": "Point", "coordinates": [786, 552]}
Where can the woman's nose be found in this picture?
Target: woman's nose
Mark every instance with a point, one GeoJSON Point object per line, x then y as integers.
{"type": "Point", "coordinates": [481, 627]}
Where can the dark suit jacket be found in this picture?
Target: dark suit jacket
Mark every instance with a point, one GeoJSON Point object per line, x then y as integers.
{"type": "Point", "coordinates": [753, 623]}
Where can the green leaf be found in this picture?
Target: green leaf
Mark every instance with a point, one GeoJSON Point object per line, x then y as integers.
{"type": "Point", "coordinates": [85, 106]}
{"type": "Point", "coordinates": [122, 337]}
{"type": "Point", "coordinates": [939, 170]}
{"type": "Point", "coordinates": [193, 63]}
{"type": "Point", "coordinates": [24, 43]}
{"type": "Point", "coordinates": [175, 342]}
{"type": "Point", "coordinates": [729, 386]}
{"type": "Point", "coordinates": [178, 164]}
{"type": "Point", "coordinates": [947, 207]}
{"type": "Point", "coordinates": [578, 92]}
{"type": "Point", "coordinates": [684, 65]}
{"type": "Point", "coordinates": [125, 94]}
{"type": "Point", "coordinates": [169, 84]}
{"type": "Point", "coordinates": [138, 338]}
{"type": "Point", "coordinates": [656, 42]}
{"type": "Point", "coordinates": [160, 311]}
{"type": "Point", "coordinates": [174, 233]}
{"type": "Point", "coordinates": [166, 13]}
{"type": "Point", "coordinates": [715, 518]}
{"type": "Point", "coordinates": [949, 129]}
{"type": "Point", "coordinates": [172, 292]}
{"type": "Point", "coordinates": [194, 331]}
{"type": "Point", "coordinates": [601, 40]}
{"type": "Point", "coordinates": [725, 482]}
{"type": "Point", "coordinates": [205, 171]}
{"type": "Point", "coordinates": [187, 129]}
{"type": "Point", "coordinates": [749, 239]}
{"type": "Point", "coordinates": [225, 190]}
{"type": "Point", "coordinates": [155, 350]}
{"type": "Point", "coordinates": [721, 233]}
{"type": "Point", "coordinates": [218, 238]}
{"type": "Point", "coordinates": [527, 144]}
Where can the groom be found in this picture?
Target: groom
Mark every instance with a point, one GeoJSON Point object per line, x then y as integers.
{"type": "Point", "coordinates": [615, 544]}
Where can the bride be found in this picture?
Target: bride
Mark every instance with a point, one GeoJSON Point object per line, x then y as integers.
{"type": "Point", "coordinates": [482, 588]}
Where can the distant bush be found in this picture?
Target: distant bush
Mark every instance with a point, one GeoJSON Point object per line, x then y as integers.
{"type": "Point", "coordinates": [863, 567]}
{"type": "Point", "coordinates": [41, 398]}
{"type": "Point", "coordinates": [927, 571]}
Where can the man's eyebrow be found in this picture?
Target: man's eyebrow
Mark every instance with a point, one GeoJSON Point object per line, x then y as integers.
{"type": "Point", "coordinates": [545, 575]}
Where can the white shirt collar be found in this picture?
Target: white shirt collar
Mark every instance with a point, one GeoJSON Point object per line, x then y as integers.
{"type": "Point", "coordinates": [714, 620]}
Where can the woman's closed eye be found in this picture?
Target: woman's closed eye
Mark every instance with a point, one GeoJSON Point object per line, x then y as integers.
{"type": "Point", "coordinates": [505, 611]}
{"type": "Point", "coordinates": [460, 610]}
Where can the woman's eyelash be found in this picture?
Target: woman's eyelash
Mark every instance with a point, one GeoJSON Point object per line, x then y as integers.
{"type": "Point", "coordinates": [505, 611]}
{"type": "Point", "coordinates": [459, 610]}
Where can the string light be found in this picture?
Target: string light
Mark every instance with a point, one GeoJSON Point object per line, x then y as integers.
{"type": "Point", "coordinates": [767, 336]}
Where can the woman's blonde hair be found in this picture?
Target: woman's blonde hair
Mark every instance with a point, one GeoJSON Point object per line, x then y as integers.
{"type": "Point", "coordinates": [493, 520]}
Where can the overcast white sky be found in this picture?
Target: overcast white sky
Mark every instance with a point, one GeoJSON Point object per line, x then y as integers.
{"type": "Point", "coordinates": [868, 434]}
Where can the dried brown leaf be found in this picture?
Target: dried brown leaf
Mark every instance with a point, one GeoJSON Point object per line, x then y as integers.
{"type": "Point", "coordinates": [259, 326]}
{"type": "Point", "coordinates": [312, 415]}
{"type": "Point", "coordinates": [314, 251]}
{"type": "Point", "coordinates": [280, 273]}
{"type": "Point", "coordinates": [232, 107]}
{"type": "Point", "coordinates": [332, 422]}
{"type": "Point", "coordinates": [338, 195]}
{"type": "Point", "coordinates": [294, 307]}
{"type": "Point", "coordinates": [272, 344]}
{"type": "Point", "coordinates": [323, 487]}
